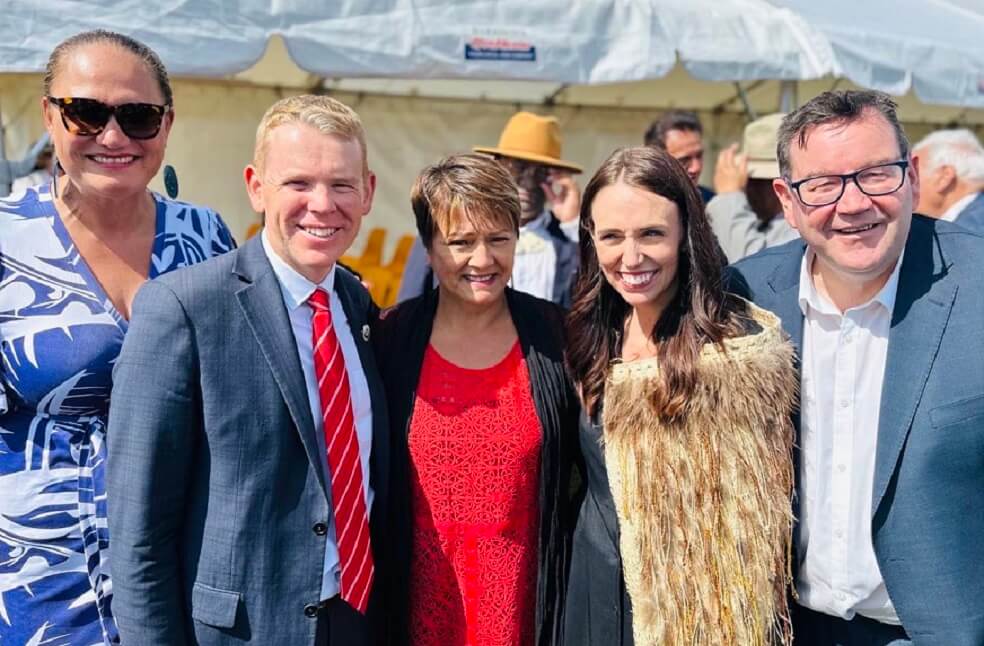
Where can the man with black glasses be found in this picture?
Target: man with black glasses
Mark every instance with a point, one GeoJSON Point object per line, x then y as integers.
{"type": "Point", "coordinates": [885, 308]}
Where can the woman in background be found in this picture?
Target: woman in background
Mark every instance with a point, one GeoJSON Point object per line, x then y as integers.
{"type": "Point", "coordinates": [72, 255]}
{"type": "Point", "coordinates": [686, 390]}
{"type": "Point", "coordinates": [483, 420]}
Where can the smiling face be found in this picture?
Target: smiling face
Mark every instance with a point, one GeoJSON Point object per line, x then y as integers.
{"type": "Point", "coordinates": [109, 164]}
{"type": "Point", "coordinates": [313, 191]}
{"type": "Point", "coordinates": [474, 261]}
{"type": "Point", "coordinates": [637, 237]}
{"type": "Point", "coordinates": [858, 239]}
{"type": "Point", "coordinates": [687, 147]}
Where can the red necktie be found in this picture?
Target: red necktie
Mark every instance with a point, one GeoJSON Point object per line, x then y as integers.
{"type": "Point", "coordinates": [347, 493]}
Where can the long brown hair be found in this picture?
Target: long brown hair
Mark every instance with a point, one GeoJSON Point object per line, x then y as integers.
{"type": "Point", "coordinates": [701, 312]}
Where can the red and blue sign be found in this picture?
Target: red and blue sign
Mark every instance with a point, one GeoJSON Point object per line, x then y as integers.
{"type": "Point", "coordinates": [499, 49]}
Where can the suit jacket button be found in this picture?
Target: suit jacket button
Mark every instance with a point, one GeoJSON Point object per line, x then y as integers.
{"type": "Point", "coordinates": [320, 529]}
{"type": "Point", "coordinates": [311, 610]}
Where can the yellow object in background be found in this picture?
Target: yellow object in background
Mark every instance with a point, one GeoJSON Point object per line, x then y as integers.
{"type": "Point", "coordinates": [382, 280]}
{"type": "Point", "coordinates": [253, 229]}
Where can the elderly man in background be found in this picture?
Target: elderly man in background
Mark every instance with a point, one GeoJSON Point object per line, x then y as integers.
{"type": "Point", "coordinates": [746, 214]}
{"type": "Point", "coordinates": [951, 168]}
{"type": "Point", "coordinates": [679, 133]}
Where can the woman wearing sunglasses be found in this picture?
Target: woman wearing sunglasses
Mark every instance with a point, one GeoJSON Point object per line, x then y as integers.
{"type": "Point", "coordinates": [72, 255]}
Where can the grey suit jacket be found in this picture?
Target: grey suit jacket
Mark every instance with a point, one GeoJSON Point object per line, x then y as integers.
{"type": "Point", "coordinates": [972, 216]}
{"type": "Point", "coordinates": [928, 498]}
{"type": "Point", "coordinates": [217, 496]}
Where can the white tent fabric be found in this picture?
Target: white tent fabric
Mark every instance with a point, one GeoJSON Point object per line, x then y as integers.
{"type": "Point", "coordinates": [934, 46]}
{"type": "Point", "coordinates": [579, 41]}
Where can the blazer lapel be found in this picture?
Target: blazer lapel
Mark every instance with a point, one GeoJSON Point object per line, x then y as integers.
{"type": "Point", "coordinates": [922, 308]}
{"type": "Point", "coordinates": [785, 304]}
{"type": "Point", "coordinates": [261, 301]}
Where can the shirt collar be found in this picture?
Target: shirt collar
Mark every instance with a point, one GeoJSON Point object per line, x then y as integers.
{"type": "Point", "coordinates": [539, 223]}
{"type": "Point", "coordinates": [952, 213]}
{"type": "Point", "coordinates": [296, 288]}
{"type": "Point", "coordinates": [810, 298]}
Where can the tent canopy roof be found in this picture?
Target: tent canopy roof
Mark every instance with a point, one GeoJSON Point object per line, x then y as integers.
{"type": "Point", "coordinates": [932, 48]}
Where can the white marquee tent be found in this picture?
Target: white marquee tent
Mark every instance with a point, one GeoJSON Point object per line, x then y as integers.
{"type": "Point", "coordinates": [430, 77]}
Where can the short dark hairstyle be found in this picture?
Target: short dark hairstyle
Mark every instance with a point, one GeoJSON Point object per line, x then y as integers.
{"type": "Point", "coordinates": [672, 120]}
{"type": "Point", "coordinates": [842, 106]}
{"type": "Point", "coordinates": [470, 186]}
{"type": "Point", "coordinates": [138, 49]}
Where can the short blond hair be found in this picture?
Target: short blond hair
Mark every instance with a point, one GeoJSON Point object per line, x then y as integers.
{"type": "Point", "coordinates": [328, 115]}
{"type": "Point", "coordinates": [471, 187]}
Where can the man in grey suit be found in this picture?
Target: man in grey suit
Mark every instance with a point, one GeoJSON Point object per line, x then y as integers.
{"type": "Point", "coordinates": [885, 308]}
{"type": "Point", "coordinates": [248, 425]}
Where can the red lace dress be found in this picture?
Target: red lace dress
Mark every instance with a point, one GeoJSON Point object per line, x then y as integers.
{"type": "Point", "coordinates": [475, 464]}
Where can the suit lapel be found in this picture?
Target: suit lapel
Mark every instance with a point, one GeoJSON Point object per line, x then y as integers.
{"type": "Point", "coordinates": [785, 286]}
{"type": "Point", "coordinates": [785, 304]}
{"type": "Point", "coordinates": [261, 301]}
{"type": "Point", "coordinates": [922, 308]}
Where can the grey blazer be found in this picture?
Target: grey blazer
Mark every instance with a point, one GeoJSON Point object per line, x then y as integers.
{"type": "Point", "coordinates": [217, 497]}
{"type": "Point", "coordinates": [927, 507]}
{"type": "Point", "coordinates": [972, 216]}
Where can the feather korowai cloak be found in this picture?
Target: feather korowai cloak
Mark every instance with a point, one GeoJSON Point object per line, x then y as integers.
{"type": "Point", "coordinates": [704, 506]}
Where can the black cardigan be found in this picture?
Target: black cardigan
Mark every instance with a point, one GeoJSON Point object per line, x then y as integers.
{"type": "Point", "coordinates": [401, 336]}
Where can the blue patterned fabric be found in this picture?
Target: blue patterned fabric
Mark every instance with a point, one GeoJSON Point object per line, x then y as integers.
{"type": "Point", "coordinates": [59, 338]}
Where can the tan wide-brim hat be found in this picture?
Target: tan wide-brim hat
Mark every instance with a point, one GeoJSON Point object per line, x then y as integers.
{"type": "Point", "coordinates": [530, 137]}
{"type": "Point", "coordinates": [759, 143]}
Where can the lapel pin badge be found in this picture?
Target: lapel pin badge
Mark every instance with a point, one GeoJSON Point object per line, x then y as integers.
{"type": "Point", "coordinates": [365, 333]}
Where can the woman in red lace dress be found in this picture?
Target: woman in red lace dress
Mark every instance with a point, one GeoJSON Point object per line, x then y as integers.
{"type": "Point", "coordinates": [484, 423]}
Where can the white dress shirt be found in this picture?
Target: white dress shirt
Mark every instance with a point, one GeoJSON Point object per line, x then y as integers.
{"type": "Point", "coordinates": [535, 266]}
{"type": "Point", "coordinates": [843, 373]}
{"type": "Point", "coordinates": [952, 213]}
{"type": "Point", "coordinates": [296, 290]}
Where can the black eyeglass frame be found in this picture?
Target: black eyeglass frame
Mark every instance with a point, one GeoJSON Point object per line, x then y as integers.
{"type": "Point", "coordinates": [902, 163]}
{"type": "Point", "coordinates": [114, 112]}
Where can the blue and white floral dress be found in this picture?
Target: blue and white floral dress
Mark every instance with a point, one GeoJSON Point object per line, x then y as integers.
{"type": "Point", "coordinates": [59, 338]}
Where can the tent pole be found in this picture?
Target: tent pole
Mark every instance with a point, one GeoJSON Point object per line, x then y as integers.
{"type": "Point", "coordinates": [749, 110]}
{"type": "Point", "coordinates": [788, 99]}
{"type": "Point", "coordinates": [551, 100]}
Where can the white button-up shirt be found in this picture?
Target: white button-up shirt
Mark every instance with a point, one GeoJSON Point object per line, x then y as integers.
{"type": "Point", "coordinates": [296, 290]}
{"type": "Point", "coordinates": [843, 371]}
{"type": "Point", "coordinates": [535, 266]}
